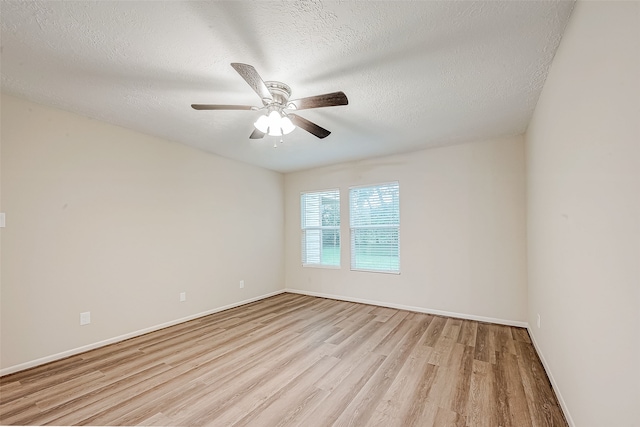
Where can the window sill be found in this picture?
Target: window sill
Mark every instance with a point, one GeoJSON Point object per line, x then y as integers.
{"type": "Point", "coordinates": [330, 267]}
{"type": "Point", "coordinates": [376, 271]}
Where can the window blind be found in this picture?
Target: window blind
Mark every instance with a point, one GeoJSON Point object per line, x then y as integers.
{"type": "Point", "coordinates": [375, 227]}
{"type": "Point", "coordinates": [320, 223]}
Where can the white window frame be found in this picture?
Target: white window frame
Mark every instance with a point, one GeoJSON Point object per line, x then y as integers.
{"type": "Point", "coordinates": [321, 228]}
{"type": "Point", "coordinates": [352, 227]}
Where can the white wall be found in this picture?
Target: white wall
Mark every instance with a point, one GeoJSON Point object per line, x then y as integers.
{"type": "Point", "coordinates": [583, 174]}
{"type": "Point", "coordinates": [462, 233]}
{"type": "Point", "coordinates": [110, 221]}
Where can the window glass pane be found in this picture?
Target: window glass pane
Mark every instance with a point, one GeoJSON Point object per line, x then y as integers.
{"type": "Point", "coordinates": [375, 249]}
{"type": "Point", "coordinates": [330, 211]}
{"type": "Point", "coordinates": [375, 205]}
{"type": "Point", "coordinates": [331, 247]}
{"type": "Point", "coordinates": [320, 222]}
{"type": "Point", "coordinates": [375, 227]}
{"type": "Point", "coordinates": [311, 246]}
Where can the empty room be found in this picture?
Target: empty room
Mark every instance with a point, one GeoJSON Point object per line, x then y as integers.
{"type": "Point", "coordinates": [319, 213]}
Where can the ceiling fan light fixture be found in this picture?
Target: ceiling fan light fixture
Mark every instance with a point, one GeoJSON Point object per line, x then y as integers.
{"type": "Point", "coordinates": [262, 124]}
{"type": "Point", "coordinates": [275, 131]}
{"type": "Point", "coordinates": [286, 125]}
{"type": "Point", "coordinates": [274, 124]}
{"type": "Point", "coordinates": [274, 119]}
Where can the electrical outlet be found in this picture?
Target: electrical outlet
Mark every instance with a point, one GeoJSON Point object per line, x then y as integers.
{"type": "Point", "coordinates": [241, 284]}
{"type": "Point", "coordinates": [85, 318]}
{"type": "Point", "coordinates": [538, 320]}
{"type": "Point", "coordinates": [183, 296]}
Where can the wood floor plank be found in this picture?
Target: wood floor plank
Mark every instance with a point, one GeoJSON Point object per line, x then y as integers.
{"type": "Point", "coordinates": [228, 409]}
{"type": "Point", "coordinates": [352, 359]}
{"type": "Point", "coordinates": [481, 405]}
{"type": "Point", "coordinates": [225, 375]}
{"type": "Point", "coordinates": [342, 393]}
{"type": "Point", "coordinates": [468, 332]}
{"type": "Point", "coordinates": [42, 371]}
{"type": "Point", "coordinates": [351, 325]}
{"type": "Point", "coordinates": [383, 313]}
{"type": "Point", "coordinates": [391, 340]}
{"type": "Point", "coordinates": [222, 379]}
{"type": "Point", "coordinates": [482, 346]}
{"type": "Point", "coordinates": [293, 360]}
{"type": "Point", "coordinates": [434, 331]}
{"type": "Point", "coordinates": [442, 351]}
{"type": "Point", "coordinates": [158, 419]}
{"type": "Point", "coordinates": [57, 375]}
{"type": "Point", "coordinates": [49, 397]}
{"type": "Point", "coordinates": [446, 418]}
{"type": "Point", "coordinates": [504, 341]}
{"type": "Point", "coordinates": [396, 402]}
{"type": "Point", "coordinates": [501, 395]}
{"type": "Point", "coordinates": [363, 405]}
{"type": "Point", "coordinates": [128, 411]}
{"type": "Point", "coordinates": [540, 396]}
{"type": "Point", "coordinates": [146, 408]}
{"type": "Point", "coordinates": [452, 328]}
{"type": "Point", "coordinates": [290, 400]}
{"type": "Point", "coordinates": [516, 397]}
{"type": "Point", "coordinates": [93, 411]}
{"type": "Point", "coordinates": [75, 407]}
{"type": "Point", "coordinates": [422, 412]}
{"type": "Point", "coordinates": [521, 334]}
{"type": "Point", "coordinates": [444, 387]}
{"type": "Point", "coordinates": [357, 338]}
{"type": "Point", "coordinates": [451, 386]}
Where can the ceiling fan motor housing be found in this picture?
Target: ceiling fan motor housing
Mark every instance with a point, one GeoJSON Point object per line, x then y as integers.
{"type": "Point", "coordinates": [280, 93]}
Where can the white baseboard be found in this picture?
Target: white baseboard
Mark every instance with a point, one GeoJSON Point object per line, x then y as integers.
{"type": "Point", "coordinates": [412, 308]}
{"type": "Point", "coordinates": [556, 390]}
{"type": "Point", "coordinates": [72, 352]}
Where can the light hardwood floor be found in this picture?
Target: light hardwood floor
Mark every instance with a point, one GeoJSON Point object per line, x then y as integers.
{"type": "Point", "coordinates": [296, 360]}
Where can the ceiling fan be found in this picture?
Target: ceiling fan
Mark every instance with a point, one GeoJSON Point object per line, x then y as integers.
{"type": "Point", "coordinates": [278, 119]}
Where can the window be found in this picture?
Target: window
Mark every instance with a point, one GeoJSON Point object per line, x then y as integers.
{"type": "Point", "coordinates": [320, 221]}
{"type": "Point", "coordinates": [375, 227]}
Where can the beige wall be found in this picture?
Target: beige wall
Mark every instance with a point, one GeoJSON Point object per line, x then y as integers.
{"type": "Point", "coordinates": [583, 174]}
{"type": "Point", "coordinates": [106, 220]}
{"type": "Point", "coordinates": [462, 233]}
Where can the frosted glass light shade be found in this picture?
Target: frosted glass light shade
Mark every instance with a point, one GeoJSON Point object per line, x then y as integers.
{"type": "Point", "coordinates": [274, 124]}
{"type": "Point", "coordinates": [275, 131]}
{"type": "Point", "coordinates": [286, 125]}
{"type": "Point", "coordinates": [274, 119]}
{"type": "Point", "coordinates": [262, 124]}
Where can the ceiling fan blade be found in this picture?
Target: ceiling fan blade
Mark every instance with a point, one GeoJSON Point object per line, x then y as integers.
{"type": "Point", "coordinates": [251, 76]}
{"type": "Point", "coordinates": [309, 126]}
{"type": "Point", "coordinates": [221, 107]}
{"type": "Point", "coordinates": [318, 101]}
{"type": "Point", "coordinates": [256, 134]}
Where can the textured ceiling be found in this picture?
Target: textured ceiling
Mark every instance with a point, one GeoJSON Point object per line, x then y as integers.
{"type": "Point", "coordinates": [417, 74]}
